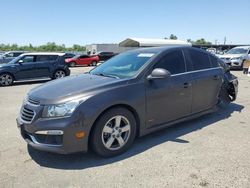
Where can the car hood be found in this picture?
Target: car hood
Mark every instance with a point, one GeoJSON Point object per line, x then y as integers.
{"type": "Point", "coordinates": [6, 65]}
{"type": "Point", "coordinates": [231, 55]}
{"type": "Point", "coordinates": [69, 88]}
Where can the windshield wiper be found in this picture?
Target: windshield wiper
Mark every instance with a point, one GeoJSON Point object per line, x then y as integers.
{"type": "Point", "coordinates": [107, 75]}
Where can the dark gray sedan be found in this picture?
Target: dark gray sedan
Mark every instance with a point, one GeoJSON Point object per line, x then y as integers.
{"type": "Point", "coordinates": [130, 95]}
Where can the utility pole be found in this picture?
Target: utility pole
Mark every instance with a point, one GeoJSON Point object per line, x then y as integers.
{"type": "Point", "coordinates": [225, 40]}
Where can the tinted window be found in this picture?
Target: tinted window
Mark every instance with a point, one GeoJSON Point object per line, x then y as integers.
{"type": "Point", "coordinates": [17, 54]}
{"type": "Point", "coordinates": [28, 59]}
{"type": "Point", "coordinates": [40, 58]}
{"type": "Point", "coordinates": [69, 55]}
{"type": "Point", "coordinates": [9, 55]}
{"type": "Point", "coordinates": [214, 61]}
{"type": "Point", "coordinates": [173, 62]}
{"type": "Point", "coordinates": [84, 56]}
{"type": "Point", "coordinates": [199, 59]}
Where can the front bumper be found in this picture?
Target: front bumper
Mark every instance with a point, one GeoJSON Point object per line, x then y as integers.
{"type": "Point", "coordinates": [233, 64]}
{"type": "Point", "coordinates": [64, 143]}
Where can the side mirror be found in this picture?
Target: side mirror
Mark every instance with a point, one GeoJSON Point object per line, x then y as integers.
{"type": "Point", "coordinates": [159, 73]}
{"type": "Point", "coordinates": [20, 61]}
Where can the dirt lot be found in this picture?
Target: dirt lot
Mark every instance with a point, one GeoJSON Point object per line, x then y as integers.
{"type": "Point", "coordinates": [211, 151]}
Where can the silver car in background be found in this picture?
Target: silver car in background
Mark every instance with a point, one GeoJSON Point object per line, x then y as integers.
{"type": "Point", "coordinates": [8, 56]}
{"type": "Point", "coordinates": [236, 57]}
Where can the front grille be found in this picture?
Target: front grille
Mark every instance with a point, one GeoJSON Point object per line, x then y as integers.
{"type": "Point", "coordinates": [27, 115]}
{"type": "Point", "coordinates": [34, 102]}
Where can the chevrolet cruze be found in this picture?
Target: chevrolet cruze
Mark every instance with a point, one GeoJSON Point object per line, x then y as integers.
{"type": "Point", "coordinates": [130, 95]}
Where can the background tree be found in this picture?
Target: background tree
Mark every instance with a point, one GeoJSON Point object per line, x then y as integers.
{"type": "Point", "coordinates": [202, 41]}
{"type": "Point", "coordinates": [49, 47]}
{"type": "Point", "coordinates": [173, 37]}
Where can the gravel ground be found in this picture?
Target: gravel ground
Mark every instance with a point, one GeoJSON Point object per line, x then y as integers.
{"type": "Point", "coordinates": [211, 151]}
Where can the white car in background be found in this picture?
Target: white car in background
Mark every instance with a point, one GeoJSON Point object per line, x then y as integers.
{"type": "Point", "coordinates": [236, 57]}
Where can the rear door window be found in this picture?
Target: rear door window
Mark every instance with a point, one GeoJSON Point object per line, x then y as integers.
{"type": "Point", "coordinates": [214, 61]}
{"type": "Point", "coordinates": [199, 59]}
{"type": "Point", "coordinates": [42, 58]}
{"type": "Point", "coordinates": [173, 62]}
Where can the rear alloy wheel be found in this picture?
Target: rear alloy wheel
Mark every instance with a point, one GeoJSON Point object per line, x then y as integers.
{"type": "Point", "coordinates": [72, 64]}
{"type": "Point", "coordinates": [114, 132]}
{"type": "Point", "coordinates": [59, 74]}
{"type": "Point", "coordinates": [224, 98]}
{"type": "Point", "coordinates": [6, 79]}
{"type": "Point", "coordinates": [94, 63]}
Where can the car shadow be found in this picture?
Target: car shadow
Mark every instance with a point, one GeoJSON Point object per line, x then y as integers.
{"type": "Point", "coordinates": [80, 161]}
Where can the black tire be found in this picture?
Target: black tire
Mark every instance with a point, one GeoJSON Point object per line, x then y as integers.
{"type": "Point", "coordinates": [224, 98]}
{"type": "Point", "coordinates": [6, 79]}
{"type": "Point", "coordinates": [72, 64]}
{"type": "Point", "coordinates": [98, 134]}
{"type": "Point", "coordinates": [59, 74]}
{"type": "Point", "coordinates": [94, 63]}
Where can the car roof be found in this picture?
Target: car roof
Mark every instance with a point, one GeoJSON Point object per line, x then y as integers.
{"type": "Point", "coordinates": [244, 47]}
{"type": "Point", "coordinates": [159, 49]}
{"type": "Point", "coordinates": [44, 53]}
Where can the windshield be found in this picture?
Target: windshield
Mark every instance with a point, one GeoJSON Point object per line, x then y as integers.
{"type": "Point", "coordinates": [237, 51]}
{"type": "Point", "coordinates": [15, 60]}
{"type": "Point", "coordinates": [125, 65]}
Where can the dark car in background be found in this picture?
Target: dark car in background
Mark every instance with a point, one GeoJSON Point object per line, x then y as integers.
{"type": "Point", "coordinates": [104, 56]}
{"type": "Point", "coordinates": [130, 95]}
{"type": "Point", "coordinates": [68, 55]}
{"type": "Point", "coordinates": [29, 66]}
{"type": "Point", "coordinates": [8, 56]}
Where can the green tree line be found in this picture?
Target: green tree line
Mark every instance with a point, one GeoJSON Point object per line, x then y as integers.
{"type": "Point", "coordinates": [49, 47]}
{"type": "Point", "coordinates": [201, 41]}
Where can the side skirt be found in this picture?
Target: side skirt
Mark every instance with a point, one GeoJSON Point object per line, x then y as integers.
{"type": "Point", "coordinates": [162, 126]}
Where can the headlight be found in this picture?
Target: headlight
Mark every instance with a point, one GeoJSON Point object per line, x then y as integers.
{"type": "Point", "coordinates": [236, 58]}
{"type": "Point", "coordinates": [61, 110]}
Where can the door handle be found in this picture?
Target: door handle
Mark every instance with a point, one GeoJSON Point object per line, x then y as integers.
{"type": "Point", "coordinates": [187, 85]}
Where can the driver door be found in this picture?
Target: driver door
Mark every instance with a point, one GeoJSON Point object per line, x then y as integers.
{"type": "Point", "coordinates": [170, 98]}
{"type": "Point", "coordinates": [26, 67]}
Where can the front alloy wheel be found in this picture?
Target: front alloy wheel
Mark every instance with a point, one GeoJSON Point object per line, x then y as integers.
{"type": "Point", "coordinates": [114, 132]}
{"type": "Point", "coordinates": [6, 79]}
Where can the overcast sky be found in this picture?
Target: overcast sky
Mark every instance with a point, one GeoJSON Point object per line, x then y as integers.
{"type": "Point", "coordinates": [111, 21]}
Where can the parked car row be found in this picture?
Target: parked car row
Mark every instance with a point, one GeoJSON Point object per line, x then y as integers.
{"type": "Point", "coordinates": [89, 60]}
{"type": "Point", "coordinates": [17, 65]}
{"type": "Point", "coordinates": [34, 65]}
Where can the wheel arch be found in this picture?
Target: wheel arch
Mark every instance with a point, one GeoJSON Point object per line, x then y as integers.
{"type": "Point", "coordinates": [6, 72]}
{"type": "Point", "coordinates": [126, 106]}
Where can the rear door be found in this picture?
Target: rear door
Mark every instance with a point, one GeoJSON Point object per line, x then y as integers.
{"type": "Point", "coordinates": [45, 64]}
{"type": "Point", "coordinates": [26, 67]}
{"type": "Point", "coordinates": [206, 80]}
{"type": "Point", "coordinates": [169, 99]}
